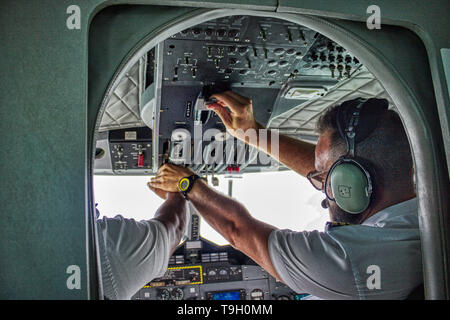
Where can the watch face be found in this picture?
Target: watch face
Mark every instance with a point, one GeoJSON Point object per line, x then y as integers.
{"type": "Point", "coordinates": [184, 184]}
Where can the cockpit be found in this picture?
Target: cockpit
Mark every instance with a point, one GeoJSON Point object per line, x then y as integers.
{"type": "Point", "coordinates": [156, 113]}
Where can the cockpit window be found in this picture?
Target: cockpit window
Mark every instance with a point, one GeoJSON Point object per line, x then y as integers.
{"type": "Point", "coordinates": [290, 202]}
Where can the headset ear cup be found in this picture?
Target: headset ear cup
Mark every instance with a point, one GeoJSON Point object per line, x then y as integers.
{"type": "Point", "coordinates": [350, 187]}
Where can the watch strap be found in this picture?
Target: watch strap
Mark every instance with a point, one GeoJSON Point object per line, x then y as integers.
{"type": "Point", "coordinates": [191, 179]}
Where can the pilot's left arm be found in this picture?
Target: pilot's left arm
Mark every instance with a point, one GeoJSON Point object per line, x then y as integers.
{"type": "Point", "coordinates": [132, 253]}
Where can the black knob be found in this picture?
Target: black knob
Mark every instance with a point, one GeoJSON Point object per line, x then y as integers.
{"type": "Point", "coordinates": [221, 32]}
{"type": "Point", "coordinates": [233, 33]}
{"type": "Point", "coordinates": [290, 52]}
{"type": "Point", "coordinates": [243, 50]}
{"type": "Point", "coordinates": [232, 49]}
{"type": "Point", "coordinates": [209, 32]}
{"type": "Point", "coordinates": [278, 51]}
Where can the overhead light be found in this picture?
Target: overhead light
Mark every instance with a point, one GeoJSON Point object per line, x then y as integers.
{"type": "Point", "coordinates": [304, 93]}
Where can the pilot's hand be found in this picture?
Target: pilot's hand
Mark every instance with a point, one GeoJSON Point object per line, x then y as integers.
{"type": "Point", "coordinates": [163, 194]}
{"type": "Point", "coordinates": [239, 118]}
{"type": "Point", "coordinates": [168, 177]}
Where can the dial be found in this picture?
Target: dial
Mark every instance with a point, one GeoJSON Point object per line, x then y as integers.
{"type": "Point", "coordinates": [278, 51]}
{"type": "Point", "coordinates": [209, 32]}
{"type": "Point", "coordinates": [164, 294]}
{"type": "Point", "coordinates": [223, 272]}
{"type": "Point", "coordinates": [243, 49]}
{"type": "Point", "coordinates": [233, 33]}
{"type": "Point", "coordinates": [177, 294]}
{"type": "Point", "coordinates": [290, 52]}
{"type": "Point", "coordinates": [221, 32]}
{"type": "Point", "coordinates": [212, 273]}
{"type": "Point", "coordinates": [257, 294]}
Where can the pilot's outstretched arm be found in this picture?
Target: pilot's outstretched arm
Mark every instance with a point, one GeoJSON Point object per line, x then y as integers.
{"type": "Point", "coordinates": [238, 118]}
{"type": "Point", "coordinates": [229, 217]}
{"type": "Point", "coordinates": [311, 262]}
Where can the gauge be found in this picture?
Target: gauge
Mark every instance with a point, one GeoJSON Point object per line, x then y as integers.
{"type": "Point", "coordinates": [164, 294]}
{"type": "Point", "coordinates": [278, 51]}
{"type": "Point", "coordinates": [209, 32]}
{"type": "Point", "coordinates": [257, 294]}
{"type": "Point", "coordinates": [290, 52]}
{"type": "Point", "coordinates": [211, 273]}
{"type": "Point", "coordinates": [223, 272]}
{"type": "Point", "coordinates": [177, 294]}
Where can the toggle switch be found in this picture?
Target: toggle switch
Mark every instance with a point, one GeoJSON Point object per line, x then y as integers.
{"type": "Point", "coordinates": [262, 32]}
{"type": "Point", "coordinates": [140, 159]}
{"type": "Point", "coordinates": [332, 68]}
{"type": "Point", "coordinates": [289, 35]}
{"type": "Point", "coordinates": [340, 68]}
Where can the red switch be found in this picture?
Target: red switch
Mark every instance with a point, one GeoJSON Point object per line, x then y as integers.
{"type": "Point", "coordinates": [140, 160]}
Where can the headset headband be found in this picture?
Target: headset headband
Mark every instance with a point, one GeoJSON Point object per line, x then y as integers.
{"type": "Point", "coordinates": [352, 113]}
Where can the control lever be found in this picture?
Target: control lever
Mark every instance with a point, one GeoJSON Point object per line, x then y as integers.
{"type": "Point", "coordinates": [202, 113]}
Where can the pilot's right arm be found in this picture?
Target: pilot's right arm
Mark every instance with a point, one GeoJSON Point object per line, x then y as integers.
{"type": "Point", "coordinates": [236, 113]}
{"type": "Point", "coordinates": [308, 262]}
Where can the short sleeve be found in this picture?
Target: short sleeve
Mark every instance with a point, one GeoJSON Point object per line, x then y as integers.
{"type": "Point", "coordinates": [134, 253]}
{"type": "Point", "coordinates": [312, 262]}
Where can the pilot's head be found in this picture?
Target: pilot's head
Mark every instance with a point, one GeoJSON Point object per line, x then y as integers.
{"type": "Point", "coordinates": [385, 153]}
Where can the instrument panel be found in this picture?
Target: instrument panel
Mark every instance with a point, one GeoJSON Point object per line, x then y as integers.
{"type": "Point", "coordinates": [277, 63]}
{"type": "Point", "coordinates": [218, 275]}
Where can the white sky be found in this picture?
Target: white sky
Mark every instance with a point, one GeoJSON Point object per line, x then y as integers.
{"type": "Point", "coordinates": [283, 199]}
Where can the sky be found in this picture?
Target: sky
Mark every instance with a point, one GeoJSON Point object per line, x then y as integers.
{"type": "Point", "coordinates": [283, 199]}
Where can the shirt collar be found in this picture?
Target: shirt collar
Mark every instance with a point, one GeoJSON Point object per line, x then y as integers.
{"type": "Point", "coordinates": [400, 211]}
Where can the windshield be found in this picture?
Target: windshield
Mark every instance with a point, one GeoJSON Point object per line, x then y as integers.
{"type": "Point", "coordinates": [283, 199]}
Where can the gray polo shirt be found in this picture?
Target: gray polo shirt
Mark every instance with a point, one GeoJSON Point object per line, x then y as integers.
{"type": "Point", "coordinates": [132, 253]}
{"type": "Point", "coordinates": [378, 259]}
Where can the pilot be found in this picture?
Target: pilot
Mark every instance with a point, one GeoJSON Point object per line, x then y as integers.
{"type": "Point", "coordinates": [132, 253]}
{"type": "Point", "coordinates": [370, 248]}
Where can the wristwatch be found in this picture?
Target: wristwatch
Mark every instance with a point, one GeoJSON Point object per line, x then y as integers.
{"type": "Point", "coordinates": [185, 184]}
